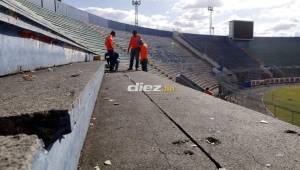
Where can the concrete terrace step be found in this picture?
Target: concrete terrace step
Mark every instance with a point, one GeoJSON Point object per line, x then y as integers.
{"type": "Point", "coordinates": [53, 105]}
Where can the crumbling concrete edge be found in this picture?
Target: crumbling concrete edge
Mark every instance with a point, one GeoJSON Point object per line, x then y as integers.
{"type": "Point", "coordinates": [65, 153]}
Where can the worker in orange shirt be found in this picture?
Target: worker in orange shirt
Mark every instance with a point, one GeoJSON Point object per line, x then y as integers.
{"type": "Point", "coordinates": [143, 55]}
{"type": "Point", "coordinates": [134, 50]}
{"type": "Point", "coordinates": [109, 44]}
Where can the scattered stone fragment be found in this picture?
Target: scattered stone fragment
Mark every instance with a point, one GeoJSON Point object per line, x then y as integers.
{"type": "Point", "coordinates": [180, 142]}
{"type": "Point", "coordinates": [213, 141]}
{"type": "Point", "coordinates": [116, 104]}
{"type": "Point", "coordinates": [268, 165]}
{"type": "Point", "coordinates": [264, 122]}
{"type": "Point", "coordinates": [188, 152]}
{"type": "Point", "coordinates": [111, 100]}
{"type": "Point", "coordinates": [107, 162]}
{"type": "Point", "coordinates": [75, 75]}
{"type": "Point", "coordinates": [212, 118]}
{"type": "Point", "coordinates": [290, 132]}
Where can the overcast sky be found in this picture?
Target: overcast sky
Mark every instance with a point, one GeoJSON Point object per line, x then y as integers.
{"type": "Point", "coordinates": [271, 17]}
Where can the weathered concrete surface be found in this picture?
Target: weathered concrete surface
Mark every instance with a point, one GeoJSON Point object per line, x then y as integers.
{"type": "Point", "coordinates": [48, 90]}
{"type": "Point", "coordinates": [69, 90]}
{"type": "Point", "coordinates": [18, 152]}
{"type": "Point", "coordinates": [245, 142]}
{"type": "Point", "coordinates": [134, 134]}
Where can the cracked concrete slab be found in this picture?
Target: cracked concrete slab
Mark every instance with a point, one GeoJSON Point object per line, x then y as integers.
{"type": "Point", "coordinates": [135, 134]}
{"type": "Point", "coordinates": [18, 152]}
{"type": "Point", "coordinates": [245, 142]}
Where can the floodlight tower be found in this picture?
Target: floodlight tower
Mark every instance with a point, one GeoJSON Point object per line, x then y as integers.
{"type": "Point", "coordinates": [136, 4]}
{"type": "Point", "coordinates": [211, 28]}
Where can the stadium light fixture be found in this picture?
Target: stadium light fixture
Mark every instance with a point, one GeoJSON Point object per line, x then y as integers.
{"type": "Point", "coordinates": [211, 28]}
{"type": "Point", "coordinates": [136, 4]}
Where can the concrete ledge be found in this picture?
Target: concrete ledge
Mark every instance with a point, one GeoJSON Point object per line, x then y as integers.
{"type": "Point", "coordinates": [56, 106]}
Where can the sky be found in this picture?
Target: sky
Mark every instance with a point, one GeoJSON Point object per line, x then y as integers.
{"type": "Point", "coordinates": [271, 17]}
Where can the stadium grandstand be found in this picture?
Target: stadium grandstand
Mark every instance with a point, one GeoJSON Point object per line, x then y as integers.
{"type": "Point", "coordinates": [61, 109]}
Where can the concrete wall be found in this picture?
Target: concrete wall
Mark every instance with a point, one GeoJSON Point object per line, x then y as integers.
{"type": "Point", "coordinates": [24, 54]}
{"type": "Point", "coordinates": [65, 153]}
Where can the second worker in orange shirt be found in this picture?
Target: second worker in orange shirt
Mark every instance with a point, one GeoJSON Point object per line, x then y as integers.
{"type": "Point", "coordinates": [134, 50]}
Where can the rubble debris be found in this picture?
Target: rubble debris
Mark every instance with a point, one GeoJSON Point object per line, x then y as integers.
{"type": "Point", "coordinates": [75, 75]}
{"type": "Point", "coordinates": [264, 122]}
{"type": "Point", "coordinates": [107, 162]}
{"type": "Point", "coordinates": [28, 77]}
{"type": "Point", "coordinates": [180, 142]}
{"type": "Point", "coordinates": [290, 132]}
{"type": "Point", "coordinates": [188, 152]}
{"type": "Point", "coordinates": [268, 165]}
{"type": "Point", "coordinates": [111, 100]}
{"type": "Point", "coordinates": [116, 104]}
{"type": "Point", "coordinates": [212, 118]}
{"type": "Point", "coordinates": [212, 141]}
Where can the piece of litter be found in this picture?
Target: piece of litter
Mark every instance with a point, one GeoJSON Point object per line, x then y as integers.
{"type": "Point", "coordinates": [107, 162]}
{"type": "Point", "coordinates": [180, 142]}
{"type": "Point", "coordinates": [27, 77]}
{"type": "Point", "coordinates": [111, 100]}
{"type": "Point", "coordinates": [97, 167]}
{"type": "Point", "coordinates": [188, 152]}
{"type": "Point", "coordinates": [268, 165]}
{"type": "Point", "coordinates": [290, 132]}
{"type": "Point", "coordinates": [279, 155]}
{"type": "Point", "coordinates": [264, 122]}
{"type": "Point", "coordinates": [212, 141]}
{"type": "Point", "coordinates": [75, 75]}
{"type": "Point", "coordinates": [212, 118]}
{"type": "Point", "coordinates": [193, 145]}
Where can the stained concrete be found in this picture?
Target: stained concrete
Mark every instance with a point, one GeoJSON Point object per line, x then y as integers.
{"type": "Point", "coordinates": [131, 132]}
{"type": "Point", "coordinates": [18, 152]}
{"type": "Point", "coordinates": [245, 142]}
{"type": "Point", "coordinates": [50, 89]}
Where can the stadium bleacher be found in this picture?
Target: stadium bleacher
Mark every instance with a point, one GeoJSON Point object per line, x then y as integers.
{"type": "Point", "coordinates": [221, 50]}
{"type": "Point", "coordinates": [273, 51]}
{"type": "Point", "coordinates": [169, 59]}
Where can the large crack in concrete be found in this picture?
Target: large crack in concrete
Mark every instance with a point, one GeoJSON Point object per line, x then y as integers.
{"type": "Point", "coordinates": [49, 126]}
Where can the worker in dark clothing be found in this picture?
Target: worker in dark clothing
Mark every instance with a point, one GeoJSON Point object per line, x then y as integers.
{"type": "Point", "coordinates": [143, 55]}
{"type": "Point", "coordinates": [114, 62]}
{"type": "Point", "coordinates": [109, 43]}
{"type": "Point", "coordinates": [133, 49]}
